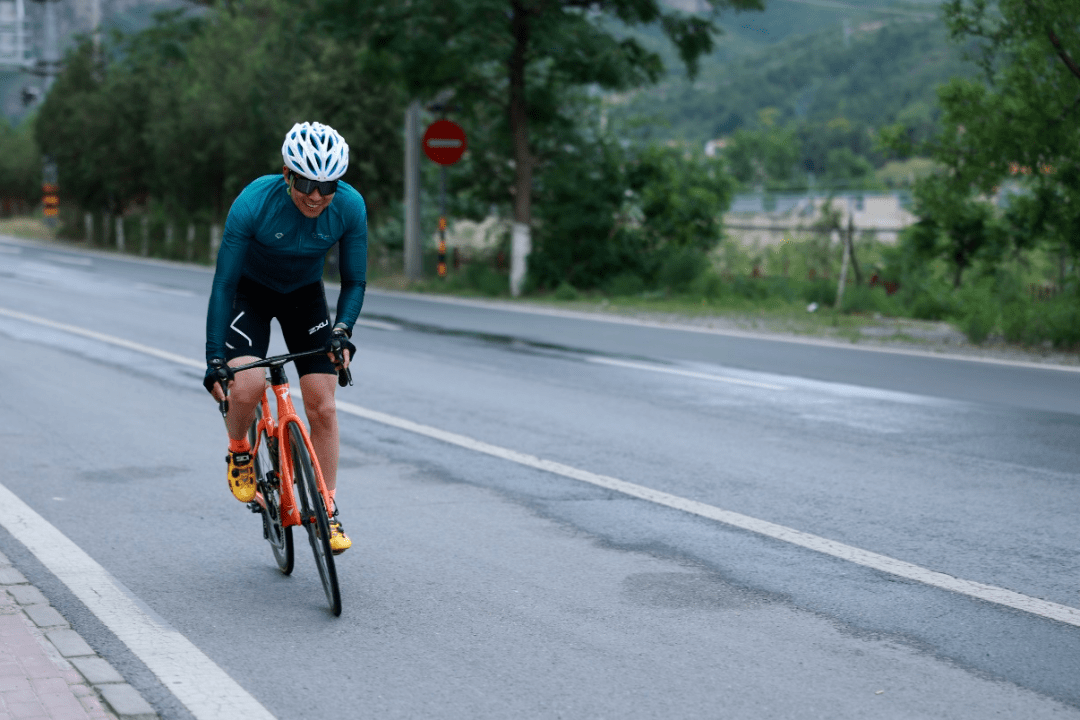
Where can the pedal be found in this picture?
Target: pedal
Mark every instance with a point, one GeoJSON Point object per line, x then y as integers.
{"type": "Point", "coordinates": [254, 507]}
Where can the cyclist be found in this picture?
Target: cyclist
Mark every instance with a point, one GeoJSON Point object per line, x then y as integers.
{"type": "Point", "coordinates": [270, 265]}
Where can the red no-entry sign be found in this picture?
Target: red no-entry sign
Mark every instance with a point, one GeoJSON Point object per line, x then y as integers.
{"type": "Point", "coordinates": [444, 142]}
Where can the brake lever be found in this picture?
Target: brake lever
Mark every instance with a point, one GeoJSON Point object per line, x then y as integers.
{"type": "Point", "coordinates": [344, 374]}
{"type": "Point", "coordinates": [223, 406]}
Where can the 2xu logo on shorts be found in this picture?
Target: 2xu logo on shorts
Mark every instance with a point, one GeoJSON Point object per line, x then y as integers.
{"type": "Point", "coordinates": [318, 327]}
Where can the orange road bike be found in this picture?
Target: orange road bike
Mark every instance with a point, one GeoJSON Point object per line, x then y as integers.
{"type": "Point", "coordinates": [291, 490]}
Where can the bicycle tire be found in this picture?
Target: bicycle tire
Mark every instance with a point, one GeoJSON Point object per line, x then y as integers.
{"type": "Point", "coordinates": [269, 479]}
{"type": "Point", "coordinates": [315, 517]}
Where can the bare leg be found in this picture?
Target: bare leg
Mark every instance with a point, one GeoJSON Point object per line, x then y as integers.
{"type": "Point", "coordinates": [245, 391]}
{"type": "Point", "coordinates": [318, 390]}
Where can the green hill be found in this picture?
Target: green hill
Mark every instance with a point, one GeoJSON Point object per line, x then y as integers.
{"type": "Point", "coordinates": [864, 65]}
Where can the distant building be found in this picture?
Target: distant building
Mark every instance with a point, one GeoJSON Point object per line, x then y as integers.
{"type": "Point", "coordinates": [713, 147]}
{"type": "Point", "coordinates": [760, 219]}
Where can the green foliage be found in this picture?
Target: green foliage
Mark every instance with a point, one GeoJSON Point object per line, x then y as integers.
{"type": "Point", "coordinates": [977, 310]}
{"type": "Point", "coordinates": [582, 235]}
{"type": "Point", "coordinates": [624, 284]}
{"type": "Point", "coordinates": [680, 267]}
{"type": "Point", "coordinates": [195, 107]}
{"type": "Point", "coordinates": [761, 157]}
{"type": "Point", "coordinates": [955, 225]}
{"type": "Point", "coordinates": [883, 73]}
{"type": "Point", "coordinates": [20, 164]}
{"type": "Point", "coordinates": [681, 197]}
{"type": "Point", "coordinates": [566, 292]}
{"type": "Point", "coordinates": [481, 275]}
{"type": "Point", "coordinates": [606, 211]}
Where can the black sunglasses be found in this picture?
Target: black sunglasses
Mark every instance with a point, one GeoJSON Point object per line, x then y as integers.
{"type": "Point", "coordinates": [306, 186]}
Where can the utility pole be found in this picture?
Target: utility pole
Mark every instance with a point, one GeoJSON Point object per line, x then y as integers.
{"type": "Point", "coordinates": [413, 252]}
{"type": "Point", "coordinates": [49, 65]}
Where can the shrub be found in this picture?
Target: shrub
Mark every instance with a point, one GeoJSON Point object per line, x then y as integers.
{"type": "Point", "coordinates": [821, 291]}
{"type": "Point", "coordinates": [977, 310]}
{"type": "Point", "coordinates": [566, 291]}
{"type": "Point", "coordinates": [681, 267]}
{"type": "Point", "coordinates": [708, 285]}
{"type": "Point", "coordinates": [484, 278]}
{"type": "Point", "coordinates": [624, 284]}
{"type": "Point", "coordinates": [1016, 325]}
{"type": "Point", "coordinates": [865, 299]}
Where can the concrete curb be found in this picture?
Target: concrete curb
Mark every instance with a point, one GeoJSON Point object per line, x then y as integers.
{"type": "Point", "coordinates": [104, 687]}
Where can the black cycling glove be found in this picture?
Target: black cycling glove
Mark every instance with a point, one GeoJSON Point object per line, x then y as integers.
{"type": "Point", "coordinates": [216, 371]}
{"type": "Point", "coordinates": [339, 340]}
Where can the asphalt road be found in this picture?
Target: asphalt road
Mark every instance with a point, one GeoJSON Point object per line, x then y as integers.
{"type": "Point", "coordinates": [482, 587]}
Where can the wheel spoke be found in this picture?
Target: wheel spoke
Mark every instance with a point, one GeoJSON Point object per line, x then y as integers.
{"type": "Point", "coordinates": [279, 537]}
{"type": "Point", "coordinates": [316, 519]}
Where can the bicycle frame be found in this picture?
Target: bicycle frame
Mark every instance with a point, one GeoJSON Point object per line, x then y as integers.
{"type": "Point", "coordinates": [279, 429]}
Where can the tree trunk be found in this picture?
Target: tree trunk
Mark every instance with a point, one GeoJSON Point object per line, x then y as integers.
{"type": "Point", "coordinates": [843, 272]}
{"type": "Point", "coordinates": [523, 160]}
{"type": "Point", "coordinates": [851, 249]}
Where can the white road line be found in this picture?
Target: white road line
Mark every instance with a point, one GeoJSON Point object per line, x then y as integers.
{"type": "Point", "coordinates": [981, 591]}
{"type": "Point", "coordinates": [378, 324]}
{"type": "Point", "coordinates": [746, 334]}
{"type": "Point", "coordinates": [111, 339]}
{"type": "Point", "coordinates": [69, 259]}
{"type": "Point", "coordinates": [989, 593]}
{"type": "Point", "coordinates": [683, 373]}
{"type": "Point", "coordinates": [196, 680]}
{"type": "Point", "coordinates": [150, 287]}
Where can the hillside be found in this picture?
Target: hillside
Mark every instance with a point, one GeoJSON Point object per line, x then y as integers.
{"type": "Point", "coordinates": [869, 74]}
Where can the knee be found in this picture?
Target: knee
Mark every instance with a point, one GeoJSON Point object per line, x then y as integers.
{"type": "Point", "coordinates": [248, 386]}
{"type": "Point", "coordinates": [321, 409]}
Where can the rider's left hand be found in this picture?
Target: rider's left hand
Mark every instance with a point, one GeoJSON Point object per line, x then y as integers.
{"type": "Point", "coordinates": [347, 348]}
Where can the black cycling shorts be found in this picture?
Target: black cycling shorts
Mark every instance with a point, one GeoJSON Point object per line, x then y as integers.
{"type": "Point", "coordinates": [303, 315]}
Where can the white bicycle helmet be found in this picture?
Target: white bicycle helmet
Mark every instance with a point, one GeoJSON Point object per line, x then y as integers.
{"type": "Point", "coordinates": [315, 151]}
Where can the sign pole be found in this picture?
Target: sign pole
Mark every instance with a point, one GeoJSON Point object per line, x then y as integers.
{"type": "Point", "coordinates": [442, 221]}
{"type": "Point", "coordinates": [50, 193]}
{"type": "Point", "coordinates": [444, 142]}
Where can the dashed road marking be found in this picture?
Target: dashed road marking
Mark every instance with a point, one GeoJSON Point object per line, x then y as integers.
{"type": "Point", "coordinates": [683, 373]}
{"type": "Point", "coordinates": [899, 568]}
{"type": "Point", "coordinates": [69, 259]}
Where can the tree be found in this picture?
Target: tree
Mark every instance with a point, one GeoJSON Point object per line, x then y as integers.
{"type": "Point", "coordinates": [681, 197]}
{"type": "Point", "coordinates": [1021, 120]}
{"type": "Point", "coordinates": [192, 109]}
{"type": "Point", "coordinates": [521, 57]}
{"type": "Point", "coordinates": [955, 225]}
{"type": "Point", "coordinates": [762, 157]}
{"type": "Point", "coordinates": [20, 167]}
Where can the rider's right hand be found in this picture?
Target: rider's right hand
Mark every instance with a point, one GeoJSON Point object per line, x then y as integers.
{"type": "Point", "coordinates": [217, 372]}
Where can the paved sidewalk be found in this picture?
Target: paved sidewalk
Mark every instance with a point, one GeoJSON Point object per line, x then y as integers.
{"type": "Point", "coordinates": [47, 671]}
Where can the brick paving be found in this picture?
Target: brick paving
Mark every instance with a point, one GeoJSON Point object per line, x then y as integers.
{"type": "Point", "coordinates": [36, 684]}
{"type": "Point", "coordinates": [47, 671]}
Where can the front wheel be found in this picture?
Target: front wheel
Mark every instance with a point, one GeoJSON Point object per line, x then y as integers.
{"type": "Point", "coordinates": [269, 479]}
{"type": "Point", "coordinates": [314, 517]}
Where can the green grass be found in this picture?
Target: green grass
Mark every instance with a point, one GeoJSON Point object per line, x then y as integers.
{"type": "Point", "coordinates": [768, 290]}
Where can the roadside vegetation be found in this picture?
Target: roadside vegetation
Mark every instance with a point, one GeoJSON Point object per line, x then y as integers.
{"type": "Point", "coordinates": [973, 112]}
{"type": "Point", "coordinates": [792, 287]}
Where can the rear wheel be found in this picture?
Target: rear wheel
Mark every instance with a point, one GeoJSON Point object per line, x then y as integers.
{"type": "Point", "coordinates": [266, 471]}
{"type": "Point", "coordinates": [315, 518]}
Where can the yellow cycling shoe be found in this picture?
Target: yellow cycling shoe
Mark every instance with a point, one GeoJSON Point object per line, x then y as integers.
{"type": "Point", "coordinates": [241, 476]}
{"type": "Point", "coordinates": [339, 541]}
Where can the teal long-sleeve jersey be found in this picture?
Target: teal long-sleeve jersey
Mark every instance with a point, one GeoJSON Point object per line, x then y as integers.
{"type": "Point", "coordinates": [267, 239]}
